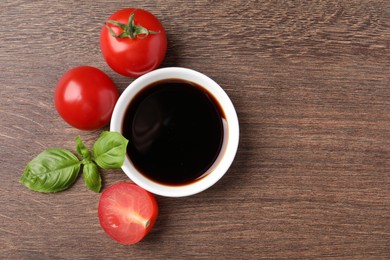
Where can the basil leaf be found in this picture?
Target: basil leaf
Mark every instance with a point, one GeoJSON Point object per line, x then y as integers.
{"type": "Point", "coordinates": [109, 150]}
{"type": "Point", "coordinates": [52, 170]}
{"type": "Point", "coordinates": [82, 150]}
{"type": "Point", "coordinates": [92, 177]}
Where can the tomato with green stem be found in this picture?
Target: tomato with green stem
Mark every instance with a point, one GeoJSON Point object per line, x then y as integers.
{"type": "Point", "coordinates": [133, 42]}
{"type": "Point", "coordinates": [127, 212]}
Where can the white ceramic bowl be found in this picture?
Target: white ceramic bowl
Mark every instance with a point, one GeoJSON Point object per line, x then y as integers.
{"type": "Point", "coordinates": [231, 131]}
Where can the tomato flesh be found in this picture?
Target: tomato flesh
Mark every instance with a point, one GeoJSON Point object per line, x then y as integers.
{"type": "Point", "coordinates": [85, 98]}
{"type": "Point", "coordinates": [127, 212]}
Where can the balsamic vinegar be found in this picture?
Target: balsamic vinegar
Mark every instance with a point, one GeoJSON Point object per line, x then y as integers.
{"type": "Point", "coordinates": [175, 131]}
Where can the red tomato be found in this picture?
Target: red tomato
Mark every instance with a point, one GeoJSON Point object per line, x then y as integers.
{"type": "Point", "coordinates": [127, 212]}
{"type": "Point", "coordinates": [133, 46]}
{"type": "Point", "coordinates": [85, 98]}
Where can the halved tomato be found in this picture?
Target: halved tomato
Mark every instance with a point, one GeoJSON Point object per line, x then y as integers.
{"type": "Point", "coordinates": [127, 212]}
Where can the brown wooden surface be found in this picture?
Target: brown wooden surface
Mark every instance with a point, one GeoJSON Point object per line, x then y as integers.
{"type": "Point", "coordinates": [311, 84]}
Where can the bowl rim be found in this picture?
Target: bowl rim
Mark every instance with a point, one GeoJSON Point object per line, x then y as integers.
{"type": "Point", "coordinates": [232, 124]}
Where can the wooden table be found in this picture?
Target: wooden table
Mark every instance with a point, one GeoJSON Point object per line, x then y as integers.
{"type": "Point", "coordinates": [311, 85]}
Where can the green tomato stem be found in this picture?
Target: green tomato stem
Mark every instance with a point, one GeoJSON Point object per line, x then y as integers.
{"type": "Point", "coordinates": [130, 30]}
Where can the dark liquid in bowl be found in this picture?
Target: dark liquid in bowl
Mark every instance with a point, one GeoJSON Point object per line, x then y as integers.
{"type": "Point", "coordinates": [175, 131]}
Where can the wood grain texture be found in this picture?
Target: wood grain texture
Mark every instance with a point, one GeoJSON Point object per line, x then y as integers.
{"type": "Point", "coordinates": [311, 84]}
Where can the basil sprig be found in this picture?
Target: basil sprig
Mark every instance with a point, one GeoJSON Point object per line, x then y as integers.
{"type": "Point", "coordinates": [56, 169]}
